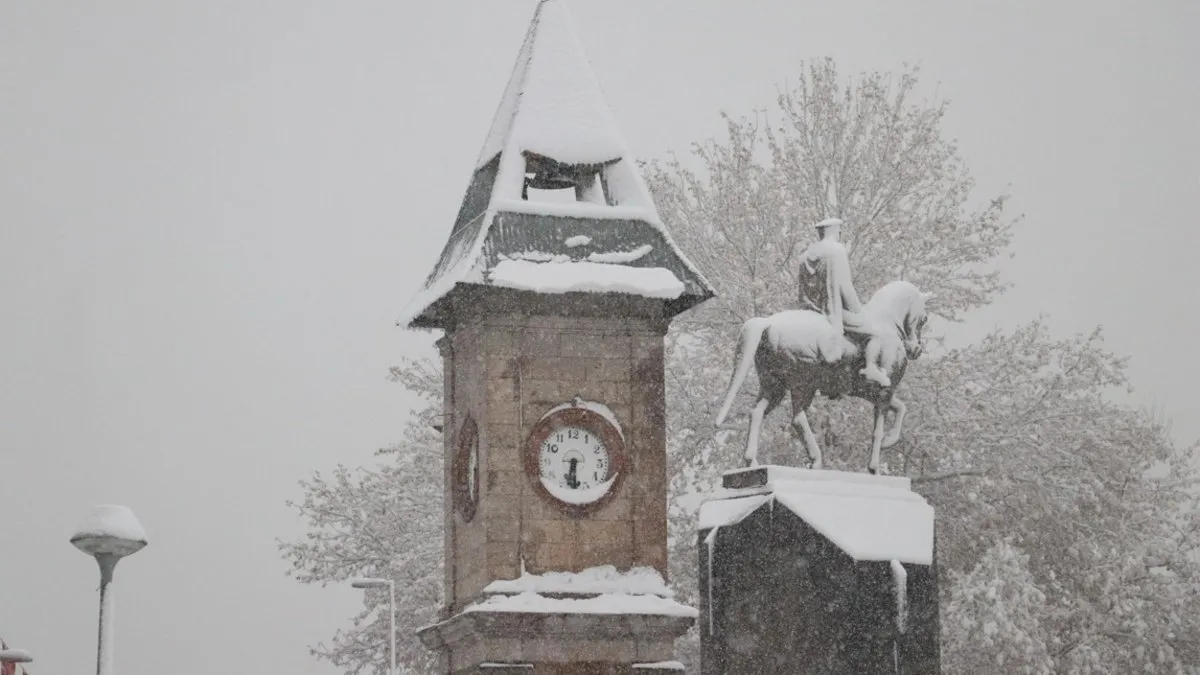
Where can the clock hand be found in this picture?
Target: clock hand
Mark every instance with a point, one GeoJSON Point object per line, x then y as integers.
{"type": "Point", "coordinates": [572, 481]}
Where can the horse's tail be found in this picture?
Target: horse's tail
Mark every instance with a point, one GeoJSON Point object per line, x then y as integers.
{"type": "Point", "coordinates": [752, 332]}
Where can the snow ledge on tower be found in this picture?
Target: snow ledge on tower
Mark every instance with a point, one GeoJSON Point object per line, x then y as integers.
{"type": "Point", "coordinates": [596, 590]}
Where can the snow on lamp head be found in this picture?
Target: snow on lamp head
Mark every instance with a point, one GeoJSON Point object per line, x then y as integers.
{"type": "Point", "coordinates": [110, 530]}
{"type": "Point", "coordinates": [15, 656]}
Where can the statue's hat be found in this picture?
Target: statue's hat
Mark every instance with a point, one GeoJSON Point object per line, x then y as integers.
{"type": "Point", "coordinates": [828, 222]}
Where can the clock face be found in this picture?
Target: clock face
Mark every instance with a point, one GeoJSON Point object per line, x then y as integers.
{"type": "Point", "coordinates": [473, 472]}
{"type": "Point", "coordinates": [575, 456]}
{"type": "Point", "coordinates": [466, 469]}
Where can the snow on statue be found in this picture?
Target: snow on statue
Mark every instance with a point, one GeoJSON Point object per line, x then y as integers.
{"type": "Point", "coordinates": [836, 346]}
{"type": "Point", "coordinates": [826, 286]}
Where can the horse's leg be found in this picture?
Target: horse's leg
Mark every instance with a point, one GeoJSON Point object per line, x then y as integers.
{"type": "Point", "coordinates": [877, 438]}
{"type": "Point", "coordinates": [801, 399]}
{"type": "Point", "coordinates": [770, 396]}
{"type": "Point", "coordinates": [893, 435]}
{"type": "Point", "coordinates": [874, 362]}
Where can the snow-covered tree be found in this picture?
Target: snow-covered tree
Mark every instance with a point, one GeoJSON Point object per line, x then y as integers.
{"type": "Point", "coordinates": [865, 151]}
{"type": "Point", "coordinates": [997, 611]}
{"type": "Point", "coordinates": [1079, 512]}
{"type": "Point", "coordinates": [381, 521]}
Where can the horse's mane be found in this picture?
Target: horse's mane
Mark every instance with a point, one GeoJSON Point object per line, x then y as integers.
{"type": "Point", "coordinates": [892, 305]}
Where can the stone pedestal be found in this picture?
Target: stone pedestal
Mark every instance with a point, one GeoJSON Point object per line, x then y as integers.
{"type": "Point", "coordinates": [817, 572]}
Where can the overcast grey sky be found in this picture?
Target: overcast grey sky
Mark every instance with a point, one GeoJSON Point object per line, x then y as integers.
{"type": "Point", "coordinates": [212, 212]}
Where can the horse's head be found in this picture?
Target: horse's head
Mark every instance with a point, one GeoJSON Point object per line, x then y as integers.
{"type": "Point", "coordinates": [914, 325]}
{"type": "Point", "coordinates": [900, 306]}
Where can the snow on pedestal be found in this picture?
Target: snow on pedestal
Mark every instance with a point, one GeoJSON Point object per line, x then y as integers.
{"type": "Point", "coordinates": [821, 566]}
{"type": "Point", "coordinates": [869, 520]}
{"type": "Point", "coordinates": [867, 517]}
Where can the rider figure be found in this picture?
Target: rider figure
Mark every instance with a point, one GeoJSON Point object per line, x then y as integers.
{"type": "Point", "coordinates": [826, 287]}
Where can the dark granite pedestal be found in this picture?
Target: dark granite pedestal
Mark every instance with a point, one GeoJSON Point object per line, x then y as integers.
{"type": "Point", "coordinates": [817, 572]}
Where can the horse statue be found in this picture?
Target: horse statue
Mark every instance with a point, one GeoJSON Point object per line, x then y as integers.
{"type": "Point", "coordinates": [801, 353]}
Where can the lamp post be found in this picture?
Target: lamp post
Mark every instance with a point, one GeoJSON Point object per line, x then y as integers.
{"type": "Point", "coordinates": [391, 586]}
{"type": "Point", "coordinates": [108, 534]}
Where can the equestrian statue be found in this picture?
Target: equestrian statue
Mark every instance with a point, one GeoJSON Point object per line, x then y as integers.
{"type": "Point", "coordinates": [835, 345]}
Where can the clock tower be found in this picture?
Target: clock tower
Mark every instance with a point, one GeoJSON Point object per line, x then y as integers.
{"type": "Point", "coordinates": [554, 292]}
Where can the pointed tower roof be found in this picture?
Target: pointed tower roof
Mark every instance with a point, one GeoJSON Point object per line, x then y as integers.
{"type": "Point", "coordinates": [553, 104]}
{"type": "Point", "coordinates": [554, 131]}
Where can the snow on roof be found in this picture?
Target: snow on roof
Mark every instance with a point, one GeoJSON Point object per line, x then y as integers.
{"type": "Point", "coordinates": [553, 105]}
{"type": "Point", "coordinates": [111, 520]}
{"type": "Point", "coordinates": [573, 209]}
{"type": "Point", "coordinates": [567, 277]}
{"type": "Point", "coordinates": [591, 581]}
{"type": "Point", "coordinates": [605, 603]}
{"type": "Point", "coordinates": [462, 263]}
{"type": "Point", "coordinates": [617, 257]}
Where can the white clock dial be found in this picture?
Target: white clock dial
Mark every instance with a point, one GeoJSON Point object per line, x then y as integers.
{"type": "Point", "coordinates": [574, 458]}
{"type": "Point", "coordinates": [467, 469]}
{"type": "Point", "coordinates": [472, 470]}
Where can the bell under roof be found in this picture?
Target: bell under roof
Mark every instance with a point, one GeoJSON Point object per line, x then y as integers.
{"type": "Point", "coordinates": [553, 123]}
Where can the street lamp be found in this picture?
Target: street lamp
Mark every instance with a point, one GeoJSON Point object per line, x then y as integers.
{"type": "Point", "coordinates": [391, 586]}
{"type": "Point", "coordinates": [109, 533]}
